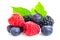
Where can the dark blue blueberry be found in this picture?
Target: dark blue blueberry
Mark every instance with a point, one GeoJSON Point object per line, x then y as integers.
{"type": "Point", "coordinates": [9, 28]}
{"type": "Point", "coordinates": [15, 31]}
{"type": "Point", "coordinates": [46, 30]}
{"type": "Point", "coordinates": [37, 18]}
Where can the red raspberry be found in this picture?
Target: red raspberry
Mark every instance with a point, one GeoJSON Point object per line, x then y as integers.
{"type": "Point", "coordinates": [31, 28]}
{"type": "Point", "coordinates": [16, 20]}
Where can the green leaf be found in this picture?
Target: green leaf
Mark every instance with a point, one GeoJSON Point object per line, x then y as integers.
{"type": "Point", "coordinates": [22, 11]}
{"type": "Point", "coordinates": [33, 11]}
{"type": "Point", "coordinates": [40, 9]}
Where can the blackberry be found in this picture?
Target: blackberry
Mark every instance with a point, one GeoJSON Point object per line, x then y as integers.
{"type": "Point", "coordinates": [48, 21]}
{"type": "Point", "coordinates": [28, 18]}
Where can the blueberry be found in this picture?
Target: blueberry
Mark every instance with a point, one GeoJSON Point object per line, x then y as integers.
{"type": "Point", "coordinates": [37, 18]}
{"type": "Point", "coordinates": [15, 31]}
{"type": "Point", "coordinates": [46, 30]}
{"type": "Point", "coordinates": [9, 28]}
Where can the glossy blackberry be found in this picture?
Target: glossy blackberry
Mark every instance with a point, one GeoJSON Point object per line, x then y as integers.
{"type": "Point", "coordinates": [28, 18]}
{"type": "Point", "coordinates": [41, 24]}
{"type": "Point", "coordinates": [48, 21]}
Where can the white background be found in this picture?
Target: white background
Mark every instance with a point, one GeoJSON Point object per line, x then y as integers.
{"type": "Point", "coordinates": [52, 7]}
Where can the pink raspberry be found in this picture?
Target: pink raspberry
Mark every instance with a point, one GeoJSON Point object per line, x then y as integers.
{"type": "Point", "coordinates": [31, 28]}
{"type": "Point", "coordinates": [16, 20]}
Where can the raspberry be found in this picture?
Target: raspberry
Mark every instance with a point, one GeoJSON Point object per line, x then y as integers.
{"type": "Point", "coordinates": [16, 20]}
{"type": "Point", "coordinates": [31, 28]}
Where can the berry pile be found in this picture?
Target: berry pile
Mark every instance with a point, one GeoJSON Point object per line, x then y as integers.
{"type": "Point", "coordinates": [18, 25]}
{"type": "Point", "coordinates": [30, 23]}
